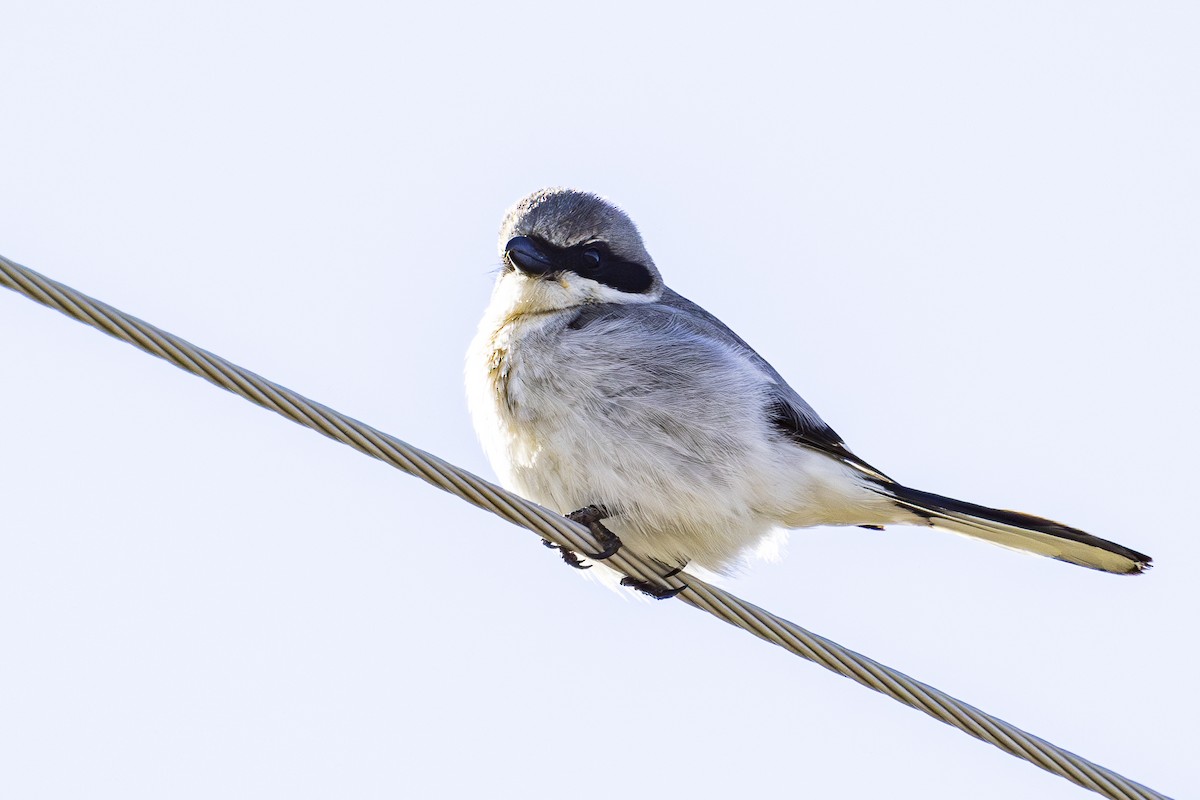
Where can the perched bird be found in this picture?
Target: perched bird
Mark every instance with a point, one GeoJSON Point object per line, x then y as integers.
{"type": "Point", "coordinates": [596, 389]}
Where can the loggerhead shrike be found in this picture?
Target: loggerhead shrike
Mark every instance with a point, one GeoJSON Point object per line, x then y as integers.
{"type": "Point", "coordinates": [595, 387]}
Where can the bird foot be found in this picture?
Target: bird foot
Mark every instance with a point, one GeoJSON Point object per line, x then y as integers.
{"type": "Point", "coordinates": [591, 517]}
{"type": "Point", "coordinates": [567, 555]}
{"type": "Point", "coordinates": [652, 590]}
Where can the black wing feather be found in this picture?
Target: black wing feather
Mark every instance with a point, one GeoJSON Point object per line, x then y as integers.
{"type": "Point", "coordinates": [801, 430]}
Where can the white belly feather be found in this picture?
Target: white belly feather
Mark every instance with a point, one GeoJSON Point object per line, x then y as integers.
{"type": "Point", "coordinates": [682, 464]}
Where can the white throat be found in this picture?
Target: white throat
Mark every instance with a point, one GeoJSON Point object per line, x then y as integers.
{"type": "Point", "coordinates": [518, 295]}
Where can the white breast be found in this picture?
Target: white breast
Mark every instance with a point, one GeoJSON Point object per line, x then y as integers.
{"type": "Point", "coordinates": [667, 432]}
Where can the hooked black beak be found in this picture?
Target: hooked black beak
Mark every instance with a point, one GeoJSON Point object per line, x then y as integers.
{"type": "Point", "coordinates": [523, 253]}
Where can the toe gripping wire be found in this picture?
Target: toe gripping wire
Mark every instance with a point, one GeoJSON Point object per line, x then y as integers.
{"type": "Point", "coordinates": [569, 535]}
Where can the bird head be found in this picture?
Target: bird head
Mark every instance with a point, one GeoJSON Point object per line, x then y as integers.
{"type": "Point", "coordinates": [563, 248]}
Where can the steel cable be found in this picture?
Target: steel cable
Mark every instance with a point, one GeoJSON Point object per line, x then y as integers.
{"type": "Point", "coordinates": [566, 533]}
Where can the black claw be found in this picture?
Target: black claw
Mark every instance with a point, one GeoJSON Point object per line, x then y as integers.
{"type": "Point", "coordinates": [591, 517]}
{"type": "Point", "coordinates": [572, 559]}
{"type": "Point", "coordinates": [567, 555]}
{"type": "Point", "coordinates": [648, 588]}
{"type": "Point", "coordinates": [611, 546]}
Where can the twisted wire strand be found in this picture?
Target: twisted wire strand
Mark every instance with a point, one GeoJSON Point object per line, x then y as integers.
{"type": "Point", "coordinates": [563, 532]}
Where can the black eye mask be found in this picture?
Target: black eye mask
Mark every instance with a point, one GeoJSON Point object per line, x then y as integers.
{"type": "Point", "coordinates": [593, 261]}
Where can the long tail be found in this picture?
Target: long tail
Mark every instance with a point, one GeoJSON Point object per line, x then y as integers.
{"type": "Point", "coordinates": [1021, 531]}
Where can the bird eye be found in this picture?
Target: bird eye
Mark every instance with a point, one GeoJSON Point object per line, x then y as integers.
{"type": "Point", "coordinates": [592, 256]}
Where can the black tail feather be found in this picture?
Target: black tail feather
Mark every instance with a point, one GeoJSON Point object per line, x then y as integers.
{"type": "Point", "coordinates": [937, 508]}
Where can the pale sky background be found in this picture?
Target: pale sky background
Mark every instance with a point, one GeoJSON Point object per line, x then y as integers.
{"type": "Point", "coordinates": [967, 236]}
